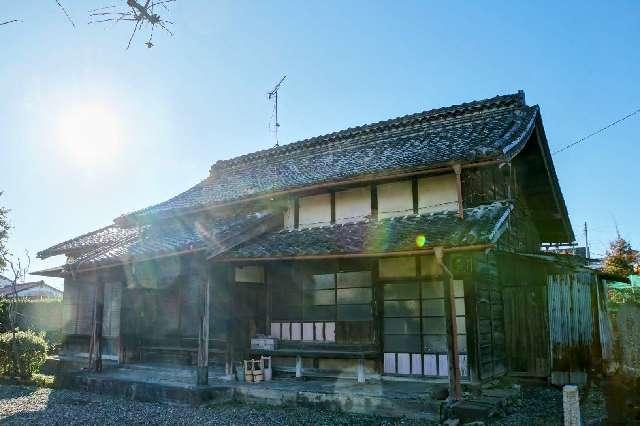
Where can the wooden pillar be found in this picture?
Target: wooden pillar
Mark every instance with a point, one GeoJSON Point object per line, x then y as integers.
{"type": "Point", "coordinates": [451, 326]}
{"type": "Point", "coordinates": [95, 345]}
{"type": "Point", "coordinates": [299, 369]}
{"type": "Point", "coordinates": [457, 168]}
{"type": "Point", "coordinates": [203, 335]}
{"type": "Point", "coordinates": [360, 371]}
{"type": "Point", "coordinates": [121, 350]}
{"type": "Point", "coordinates": [473, 332]}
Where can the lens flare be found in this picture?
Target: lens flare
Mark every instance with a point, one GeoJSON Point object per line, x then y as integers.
{"type": "Point", "coordinates": [90, 135]}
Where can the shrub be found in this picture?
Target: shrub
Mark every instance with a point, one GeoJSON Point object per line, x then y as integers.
{"type": "Point", "coordinates": [23, 356]}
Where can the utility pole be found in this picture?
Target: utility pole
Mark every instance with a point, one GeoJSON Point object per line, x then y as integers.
{"type": "Point", "coordinates": [586, 242]}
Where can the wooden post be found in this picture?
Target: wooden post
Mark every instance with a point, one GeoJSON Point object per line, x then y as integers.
{"type": "Point", "coordinates": [571, 405]}
{"type": "Point", "coordinates": [299, 369]}
{"type": "Point", "coordinates": [95, 347]}
{"type": "Point", "coordinates": [121, 350]}
{"type": "Point", "coordinates": [457, 168]}
{"type": "Point", "coordinates": [360, 370]}
{"type": "Point", "coordinates": [452, 328]}
{"type": "Point", "coordinates": [203, 336]}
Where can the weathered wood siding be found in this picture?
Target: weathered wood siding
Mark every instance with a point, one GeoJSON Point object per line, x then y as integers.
{"type": "Point", "coordinates": [77, 306]}
{"type": "Point", "coordinates": [526, 330]}
{"type": "Point", "coordinates": [526, 316]}
{"type": "Point", "coordinates": [489, 322]}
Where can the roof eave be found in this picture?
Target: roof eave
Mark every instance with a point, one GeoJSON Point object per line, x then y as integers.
{"type": "Point", "coordinates": [428, 250]}
{"type": "Point", "coordinates": [57, 272]}
{"type": "Point", "coordinates": [513, 149]}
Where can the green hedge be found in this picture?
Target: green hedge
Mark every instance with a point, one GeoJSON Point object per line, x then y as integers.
{"type": "Point", "coordinates": [23, 355]}
{"type": "Point", "coordinates": [45, 314]}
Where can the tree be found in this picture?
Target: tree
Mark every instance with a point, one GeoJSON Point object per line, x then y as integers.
{"type": "Point", "coordinates": [621, 259]}
{"type": "Point", "coordinates": [19, 269]}
{"type": "Point", "coordinates": [4, 235]}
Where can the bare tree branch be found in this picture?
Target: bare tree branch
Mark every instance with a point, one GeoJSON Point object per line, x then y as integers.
{"type": "Point", "coordinates": [137, 12]}
{"type": "Point", "coordinates": [19, 269]}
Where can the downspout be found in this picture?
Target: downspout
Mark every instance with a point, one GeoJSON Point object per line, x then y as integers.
{"type": "Point", "coordinates": [452, 327]}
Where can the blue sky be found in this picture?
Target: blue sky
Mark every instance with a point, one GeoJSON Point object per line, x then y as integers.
{"type": "Point", "coordinates": [165, 114]}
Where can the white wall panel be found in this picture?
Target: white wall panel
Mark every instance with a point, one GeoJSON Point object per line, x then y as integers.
{"type": "Point", "coordinates": [437, 193]}
{"type": "Point", "coordinates": [395, 199]}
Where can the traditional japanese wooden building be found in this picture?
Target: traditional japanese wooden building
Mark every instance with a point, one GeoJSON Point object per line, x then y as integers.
{"type": "Point", "coordinates": [408, 247]}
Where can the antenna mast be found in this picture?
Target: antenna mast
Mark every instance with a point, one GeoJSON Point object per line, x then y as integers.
{"type": "Point", "coordinates": [273, 94]}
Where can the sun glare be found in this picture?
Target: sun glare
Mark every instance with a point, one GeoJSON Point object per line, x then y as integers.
{"type": "Point", "coordinates": [90, 135]}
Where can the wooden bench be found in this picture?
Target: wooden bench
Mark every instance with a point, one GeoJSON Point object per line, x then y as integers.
{"type": "Point", "coordinates": [301, 350]}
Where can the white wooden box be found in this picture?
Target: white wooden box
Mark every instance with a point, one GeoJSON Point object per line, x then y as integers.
{"type": "Point", "coordinates": [264, 343]}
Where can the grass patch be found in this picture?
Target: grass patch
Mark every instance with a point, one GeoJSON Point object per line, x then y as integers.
{"type": "Point", "coordinates": [40, 380]}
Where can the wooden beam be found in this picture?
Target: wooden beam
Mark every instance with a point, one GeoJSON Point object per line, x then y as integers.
{"type": "Point", "coordinates": [374, 201]}
{"type": "Point", "coordinates": [203, 335]}
{"type": "Point", "coordinates": [296, 213]}
{"type": "Point", "coordinates": [451, 325]}
{"type": "Point", "coordinates": [457, 168]}
{"type": "Point", "coordinates": [333, 206]}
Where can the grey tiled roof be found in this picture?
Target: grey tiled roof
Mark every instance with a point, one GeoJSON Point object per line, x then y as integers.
{"type": "Point", "coordinates": [21, 287]}
{"type": "Point", "coordinates": [89, 241]}
{"type": "Point", "coordinates": [482, 224]}
{"type": "Point", "coordinates": [468, 132]}
{"type": "Point", "coordinates": [169, 237]}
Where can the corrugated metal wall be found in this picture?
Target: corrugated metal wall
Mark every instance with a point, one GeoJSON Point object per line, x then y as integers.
{"type": "Point", "coordinates": [570, 319]}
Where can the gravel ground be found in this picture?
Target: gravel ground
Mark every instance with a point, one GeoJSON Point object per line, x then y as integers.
{"type": "Point", "coordinates": [542, 405]}
{"type": "Point", "coordinates": [22, 405]}
{"type": "Point", "coordinates": [26, 405]}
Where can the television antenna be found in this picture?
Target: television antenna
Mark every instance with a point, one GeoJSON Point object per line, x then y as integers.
{"type": "Point", "coordinates": [273, 94]}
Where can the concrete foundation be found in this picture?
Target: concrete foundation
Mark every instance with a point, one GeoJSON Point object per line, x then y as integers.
{"type": "Point", "coordinates": [176, 385]}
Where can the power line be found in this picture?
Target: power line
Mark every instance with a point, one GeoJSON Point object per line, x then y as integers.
{"type": "Point", "coordinates": [596, 132]}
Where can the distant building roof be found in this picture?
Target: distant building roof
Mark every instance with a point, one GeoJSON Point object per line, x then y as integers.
{"type": "Point", "coordinates": [22, 288]}
{"type": "Point", "coordinates": [4, 281]}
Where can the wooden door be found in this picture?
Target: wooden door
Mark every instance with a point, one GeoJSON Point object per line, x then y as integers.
{"type": "Point", "coordinates": [248, 316]}
{"type": "Point", "coordinates": [527, 331]}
